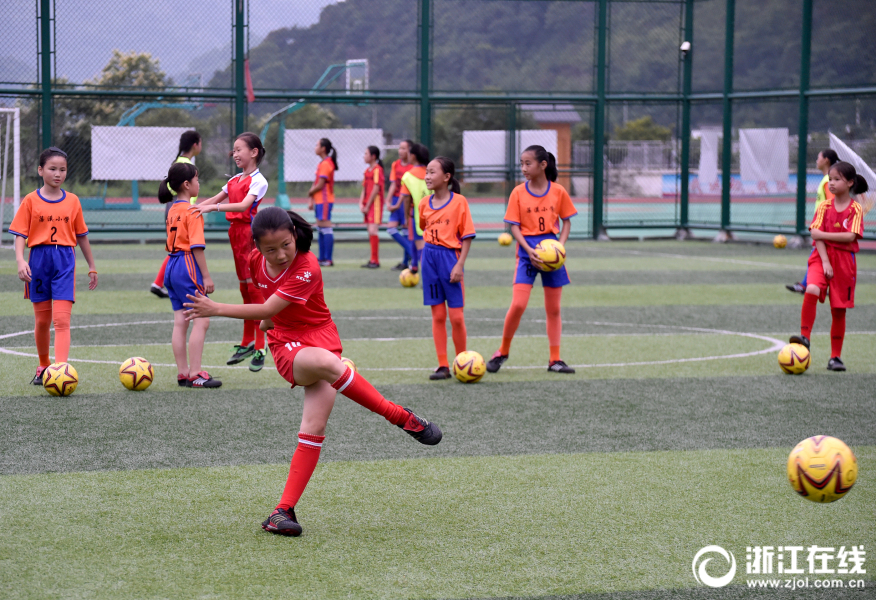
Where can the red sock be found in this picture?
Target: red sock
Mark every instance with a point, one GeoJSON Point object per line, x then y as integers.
{"type": "Point", "coordinates": [61, 319]}
{"type": "Point", "coordinates": [460, 335]}
{"type": "Point", "coordinates": [837, 331]}
{"type": "Point", "coordinates": [552, 297]}
{"type": "Point", "coordinates": [356, 388]}
{"type": "Point", "coordinates": [519, 300]}
{"type": "Point", "coordinates": [256, 297]}
{"type": "Point", "coordinates": [807, 315]}
{"type": "Point", "coordinates": [375, 248]}
{"type": "Point", "coordinates": [439, 333]}
{"type": "Point", "coordinates": [303, 464]}
{"type": "Point", "coordinates": [42, 312]}
{"type": "Point", "coordinates": [159, 279]}
{"type": "Point", "coordinates": [248, 329]}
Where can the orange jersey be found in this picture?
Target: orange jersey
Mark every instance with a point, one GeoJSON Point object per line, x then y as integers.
{"type": "Point", "coordinates": [373, 177]}
{"type": "Point", "coordinates": [448, 224]}
{"type": "Point", "coordinates": [396, 171]}
{"type": "Point", "coordinates": [49, 222]}
{"type": "Point", "coordinates": [537, 215]}
{"type": "Point", "coordinates": [185, 228]}
{"type": "Point", "coordinates": [828, 220]}
{"type": "Point", "coordinates": [325, 170]}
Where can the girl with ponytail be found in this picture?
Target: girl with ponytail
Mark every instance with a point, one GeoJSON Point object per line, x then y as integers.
{"type": "Point", "coordinates": [322, 199]}
{"type": "Point", "coordinates": [448, 230]}
{"type": "Point", "coordinates": [306, 349]}
{"type": "Point", "coordinates": [535, 211]}
{"type": "Point", "coordinates": [371, 202]}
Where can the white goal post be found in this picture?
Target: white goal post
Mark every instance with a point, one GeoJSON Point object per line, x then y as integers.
{"type": "Point", "coordinates": [10, 126]}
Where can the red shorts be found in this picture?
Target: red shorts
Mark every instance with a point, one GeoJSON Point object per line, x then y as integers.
{"type": "Point", "coordinates": [286, 346]}
{"type": "Point", "coordinates": [842, 285]}
{"type": "Point", "coordinates": [242, 245]}
{"type": "Point", "coordinates": [375, 214]}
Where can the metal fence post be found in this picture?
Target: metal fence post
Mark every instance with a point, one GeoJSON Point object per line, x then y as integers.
{"type": "Point", "coordinates": [240, 56]}
{"type": "Point", "coordinates": [599, 121]}
{"type": "Point", "coordinates": [425, 73]}
{"type": "Point", "coordinates": [685, 116]}
{"type": "Point", "coordinates": [727, 147]}
{"type": "Point", "coordinates": [46, 41]}
{"type": "Point", "coordinates": [511, 152]}
{"type": "Point", "coordinates": [803, 129]}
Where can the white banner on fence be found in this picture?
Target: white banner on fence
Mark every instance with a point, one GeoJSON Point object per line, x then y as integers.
{"type": "Point", "coordinates": [301, 160]}
{"type": "Point", "coordinates": [763, 154]}
{"type": "Point", "coordinates": [708, 171]}
{"type": "Point", "coordinates": [128, 153]}
{"type": "Point", "coordinates": [487, 150]}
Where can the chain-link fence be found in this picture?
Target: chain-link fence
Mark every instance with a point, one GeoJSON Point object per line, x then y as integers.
{"type": "Point", "coordinates": [663, 114]}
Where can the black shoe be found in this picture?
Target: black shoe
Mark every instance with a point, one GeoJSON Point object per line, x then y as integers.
{"type": "Point", "coordinates": [496, 362]}
{"type": "Point", "coordinates": [240, 353]}
{"type": "Point", "coordinates": [258, 361]}
{"type": "Point", "coordinates": [421, 430]}
{"type": "Point", "coordinates": [371, 265]}
{"type": "Point", "coordinates": [38, 378]}
{"type": "Point", "coordinates": [800, 339]}
{"type": "Point", "coordinates": [326, 263]}
{"type": "Point", "coordinates": [559, 366]}
{"type": "Point", "coordinates": [415, 269]}
{"type": "Point", "coordinates": [797, 288]}
{"type": "Point", "coordinates": [159, 291]}
{"type": "Point", "coordinates": [835, 364]}
{"type": "Point", "coordinates": [282, 522]}
{"type": "Point", "coordinates": [400, 267]}
{"type": "Point", "coordinates": [440, 373]}
{"type": "Point", "coordinates": [203, 380]}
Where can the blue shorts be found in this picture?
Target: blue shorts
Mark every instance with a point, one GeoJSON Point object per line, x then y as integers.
{"type": "Point", "coordinates": [398, 214]}
{"type": "Point", "coordinates": [526, 273]}
{"type": "Point", "coordinates": [52, 273]}
{"type": "Point", "coordinates": [182, 276]}
{"type": "Point", "coordinates": [323, 211]}
{"type": "Point", "coordinates": [435, 269]}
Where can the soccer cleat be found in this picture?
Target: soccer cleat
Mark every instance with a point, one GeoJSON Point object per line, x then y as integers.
{"type": "Point", "coordinates": [400, 267]}
{"type": "Point", "coordinates": [800, 339]}
{"type": "Point", "coordinates": [835, 364]}
{"type": "Point", "coordinates": [421, 430]}
{"type": "Point", "coordinates": [38, 378]}
{"type": "Point", "coordinates": [182, 380]}
{"type": "Point", "coordinates": [371, 265]}
{"type": "Point", "coordinates": [282, 522]}
{"type": "Point", "coordinates": [797, 288]}
{"type": "Point", "coordinates": [326, 263]}
{"type": "Point", "coordinates": [496, 362]}
{"type": "Point", "coordinates": [203, 380]}
{"type": "Point", "coordinates": [415, 269]}
{"type": "Point", "coordinates": [559, 366]}
{"type": "Point", "coordinates": [240, 353]}
{"type": "Point", "coordinates": [159, 291]}
{"type": "Point", "coordinates": [258, 361]}
{"type": "Point", "coordinates": [440, 373]}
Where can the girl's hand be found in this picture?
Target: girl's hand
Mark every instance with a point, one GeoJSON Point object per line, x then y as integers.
{"type": "Point", "coordinates": [204, 208]}
{"type": "Point", "coordinates": [310, 203]}
{"type": "Point", "coordinates": [537, 262]}
{"type": "Point", "coordinates": [362, 207]}
{"type": "Point", "coordinates": [92, 280]}
{"type": "Point", "coordinates": [395, 206]}
{"type": "Point", "coordinates": [266, 325]}
{"type": "Point", "coordinates": [24, 271]}
{"type": "Point", "coordinates": [456, 273]}
{"type": "Point", "coordinates": [828, 270]}
{"type": "Point", "coordinates": [208, 284]}
{"type": "Point", "coordinates": [199, 306]}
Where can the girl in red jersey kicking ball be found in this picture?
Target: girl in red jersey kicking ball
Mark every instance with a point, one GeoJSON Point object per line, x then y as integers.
{"type": "Point", "coordinates": [835, 229]}
{"type": "Point", "coordinates": [306, 348]}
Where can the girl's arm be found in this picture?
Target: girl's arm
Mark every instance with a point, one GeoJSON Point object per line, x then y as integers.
{"type": "Point", "coordinates": [220, 197]}
{"type": "Point", "coordinates": [362, 200]}
{"type": "Point", "coordinates": [201, 306]}
{"type": "Point", "coordinates": [23, 267]}
{"type": "Point", "coordinates": [456, 272]}
{"type": "Point", "coordinates": [317, 186]}
{"type": "Point", "coordinates": [406, 200]}
{"type": "Point", "coordinates": [198, 253]}
{"type": "Point", "coordinates": [533, 257]}
{"type": "Point", "coordinates": [565, 229]}
{"type": "Point", "coordinates": [825, 261]}
{"type": "Point", "coordinates": [842, 237]}
{"type": "Point", "coordinates": [237, 207]}
{"type": "Point", "coordinates": [85, 245]}
{"type": "Point", "coordinates": [393, 188]}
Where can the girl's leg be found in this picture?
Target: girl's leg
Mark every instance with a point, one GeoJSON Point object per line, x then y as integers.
{"type": "Point", "coordinates": [809, 310]}
{"type": "Point", "coordinates": [519, 300]}
{"type": "Point", "coordinates": [255, 297]}
{"type": "Point", "coordinates": [460, 336]}
{"type": "Point", "coordinates": [61, 318]}
{"type": "Point", "coordinates": [196, 344]}
{"type": "Point", "coordinates": [552, 297]}
{"type": "Point", "coordinates": [439, 333]}
{"type": "Point", "coordinates": [178, 342]}
{"type": "Point", "coordinates": [837, 331]}
{"type": "Point", "coordinates": [42, 312]}
{"type": "Point", "coordinates": [248, 328]}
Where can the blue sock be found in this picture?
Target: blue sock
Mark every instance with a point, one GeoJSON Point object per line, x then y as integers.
{"type": "Point", "coordinates": [402, 241]}
{"type": "Point", "coordinates": [321, 245]}
{"type": "Point", "coordinates": [329, 235]}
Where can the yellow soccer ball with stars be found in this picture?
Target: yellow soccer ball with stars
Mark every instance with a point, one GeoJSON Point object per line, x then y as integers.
{"type": "Point", "coordinates": [552, 253]}
{"type": "Point", "coordinates": [822, 468]}
{"type": "Point", "coordinates": [136, 374]}
{"type": "Point", "coordinates": [350, 364]}
{"type": "Point", "coordinates": [408, 278]}
{"type": "Point", "coordinates": [469, 366]}
{"type": "Point", "coordinates": [60, 379]}
{"type": "Point", "coordinates": [505, 239]}
{"type": "Point", "coordinates": [780, 241]}
{"type": "Point", "coordinates": [794, 359]}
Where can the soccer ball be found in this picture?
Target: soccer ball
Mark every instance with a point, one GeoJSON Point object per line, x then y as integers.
{"type": "Point", "coordinates": [505, 239]}
{"type": "Point", "coordinates": [469, 366]}
{"type": "Point", "coordinates": [408, 279]}
{"type": "Point", "coordinates": [60, 379]}
{"type": "Point", "coordinates": [136, 374]}
{"type": "Point", "coordinates": [780, 241]}
{"type": "Point", "coordinates": [350, 364]}
{"type": "Point", "coordinates": [552, 254]}
{"type": "Point", "coordinates": [794, 359]}
{"type": "Point", "coordinates": [822, 468]}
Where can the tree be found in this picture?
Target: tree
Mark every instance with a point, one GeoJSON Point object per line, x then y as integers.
{"type": "Point", "coordinates": [642, 129]}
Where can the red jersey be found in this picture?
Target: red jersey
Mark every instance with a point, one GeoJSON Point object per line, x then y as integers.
{"type": "Point", "coordinates": [239, 187]}
{"type": "Point", "coordinates": [185, 228]}
{"type": "Point", "coordinates": [446, 224]}
{"type": "Point", "coordinates": [537, 215]}
{"type": "Point", "coordinates": [49, 222]}
{"type": "Point", "coordinates": [301, 285]}
{"type": "Point", "coordinates": [373, 177]}
{"type": "Point", "coordinates": [325, 170]}
{"type": "Point", "coordinates": [828, 220]}
{"type": "Point", "coordinates": [396, 171]}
